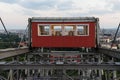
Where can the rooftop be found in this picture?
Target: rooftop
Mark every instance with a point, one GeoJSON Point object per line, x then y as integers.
{"type": "Point", "coordinates": [64, 19]}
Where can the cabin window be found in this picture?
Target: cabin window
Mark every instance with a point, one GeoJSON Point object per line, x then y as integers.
{"type": "Point", "coordinates": [69, 30]}
{"type": "Point", "coordinates": [43, 29]}
{"type": "Point", "coordinates": [82, 29]}
{"type": "Point", "coordinates": [56, 30]}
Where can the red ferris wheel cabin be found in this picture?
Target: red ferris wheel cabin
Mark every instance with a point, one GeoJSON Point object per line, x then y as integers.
{"type": "Point", "coordinates": [62, 32]}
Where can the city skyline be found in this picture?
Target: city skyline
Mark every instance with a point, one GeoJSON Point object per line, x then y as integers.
{"type": "Point", "coordinates": [15, 13]}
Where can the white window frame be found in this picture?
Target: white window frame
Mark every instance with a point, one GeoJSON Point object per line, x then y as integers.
{"type": "Point", "coordinates": [38, 28]}
{"type": "Point", "coordinates": [63, 30]}
{"type": "Point", "coordinates": [65, 25]}
{"type": "Point", "coordinates": [56, 25]}
{"type": "Point", "coordinates": [82, 25]}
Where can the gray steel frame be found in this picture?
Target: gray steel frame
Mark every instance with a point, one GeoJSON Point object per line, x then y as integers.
{"type": "Point", "coordinates": [65, 66]}
{"type": "Point", "coordinates": [64, 19]}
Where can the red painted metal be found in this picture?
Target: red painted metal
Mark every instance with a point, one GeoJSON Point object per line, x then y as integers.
{"type": "Point", "coordinates": [64, 41]}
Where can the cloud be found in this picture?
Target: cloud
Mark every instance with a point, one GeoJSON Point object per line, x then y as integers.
{"type": "Point", "coordinates": [115, 4]}
{"type": "Point", "coordinates": [9, 1]}
{"type": "Point", "coordinates": [20, 10]}
{"type": "Point", "coordinates": [34, 4]}
{"type": "Point", "coordinates": [38, 5]}
{"type": "Point", "coordinates": [13, 16]}
{"type": "Point", "coordinates": [67, 5]}
{"type": "Point", "coordinates": [42, 4]}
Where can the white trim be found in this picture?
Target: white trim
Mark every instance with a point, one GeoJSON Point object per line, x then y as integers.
{"type": "Point", "coordinates": [87, 29]}
{"type": "Point", "coordinates": [65, 26]}
{"type": "Point", "coordinates": [63, 30]}
{"type": "Point", "coordinates": [57, 25]}
{"type": "Point", "coordinates": [43, 25]}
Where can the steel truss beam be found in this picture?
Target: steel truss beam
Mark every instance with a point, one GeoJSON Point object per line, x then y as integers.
{"type": "Point", "coordinates": [5, 53]}
{"type": "Point", "coordinates": [65, 53]}
{"type": "Point", "coordinates": [63, 66]}
{"type": "Point", "coordinates": [112, 53]}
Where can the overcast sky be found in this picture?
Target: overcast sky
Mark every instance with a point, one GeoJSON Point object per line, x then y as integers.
{"type": "Point", "coordinates": [15, 13]}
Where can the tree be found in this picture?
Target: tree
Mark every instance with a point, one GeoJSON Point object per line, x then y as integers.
{"type": "Point", "coordinates": [7, 41]}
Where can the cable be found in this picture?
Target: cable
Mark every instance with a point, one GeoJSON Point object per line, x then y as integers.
{"type": "Point", "coordinates": [114, 40]}
{"type": "Point", "coordinates": [4, 26]}
{"type": "Point", "coordinates": [6, 30]}
{"type": "Point", "coordinates": [116, 33]}
{"type": "Point", "coordinates": [25, 33]}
